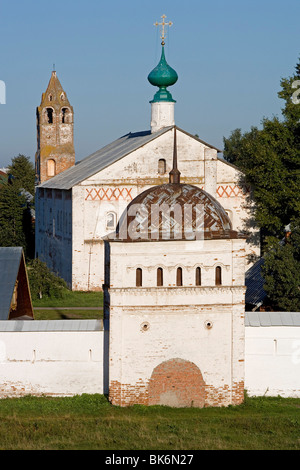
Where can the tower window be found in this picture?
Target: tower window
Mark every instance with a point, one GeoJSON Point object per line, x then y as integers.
{"type": "Point", "coordinates": [179, 277]}
{"type": "Point", "coordinates": [162, 167]}
{"type": "Point", "coordinates": [218, 276]}
{"type": "Point", "coordinates": [160, 280]}
{"type": "Point", "coordinates": [51, 167]}
{"type": "Point", "coordinates": [49, 115]}
{"type": "Point", "coordinates": [198, 276]}
{"type": "Point", "coordinates": [50, 97]}
{"type": "Point", "coordinates": [139, 279]}
{"type": "Point", "coordinates": [65, 116]}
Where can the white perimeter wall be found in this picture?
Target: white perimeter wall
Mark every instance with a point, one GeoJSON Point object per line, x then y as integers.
{"type": "Point", "coordinates": [51, 362]}
{"type": "Point", "coordinates": [272, 361]}
{"type": "Point", "coordinates": [71, 362]}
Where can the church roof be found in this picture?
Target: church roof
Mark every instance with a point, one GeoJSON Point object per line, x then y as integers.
{"type": "Point", "coordinates": [11, 265]}
{"type": "Point", "coordinates": [174, 211]}
{"type": "Point", "coordinates": [107, 156]}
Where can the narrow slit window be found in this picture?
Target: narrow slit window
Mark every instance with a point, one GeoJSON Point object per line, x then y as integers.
{"type": "Point", "coordinates": [179, 277]}
{"type": "Point", "coordinates": [111, 220]}
{"type": "Point", "coordinates": [160, 279]}
{"type": "Point", "coordinates": [51, 170]}
{"type": "Point", "coordinates": [162, 166]}
{"type": "Point", "coordinates": [139, 277]}
{"type": "Point", "coordinates": [198, 276]}
{"type": "Point", "coordinates": [218, 276]}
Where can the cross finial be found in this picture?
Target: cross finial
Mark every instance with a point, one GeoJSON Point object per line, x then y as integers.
{"type": "Point", "coordinates": [163, 24]}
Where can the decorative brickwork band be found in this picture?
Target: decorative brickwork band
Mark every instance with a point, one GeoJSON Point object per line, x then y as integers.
{"type": "Point", "coordinates": [232, 190]}
{"type": "Point", "coordinates": [108, 194]}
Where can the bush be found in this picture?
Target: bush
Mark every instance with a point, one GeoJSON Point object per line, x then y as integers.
{"type": "Point", "coordinates": [44, 283]}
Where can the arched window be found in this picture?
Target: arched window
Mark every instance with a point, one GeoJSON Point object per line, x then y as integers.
{"type": "Point", "coordinates": [198, 277]}
{"type": "Point", "coordinates": [162, 167]}
{"type": "Point", "coordinates": [49, 114]}
{"type": "Point", "coordinates": [51, 167]}
{"type": "Point", "coordinates": [179, 277]}
{"type": "Point", "coordinates": [111, 219]}
{"type": "Point", "coordinates": [65, 116]}
{"type": "Point", "coordinates": [218, 276]}
{"type": "Point", "coordinates": [160, 280]}
{"type": "Point", "coordinates": [139, 277]}
{"type": "Point", "coordinates": [50, 97]}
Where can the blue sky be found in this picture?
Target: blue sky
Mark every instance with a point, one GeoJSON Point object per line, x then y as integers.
{"type": "Point", "coordinates": [230, 57]}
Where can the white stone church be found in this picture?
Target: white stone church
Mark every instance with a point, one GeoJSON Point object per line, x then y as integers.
{"type": "Point", "coordinates": [174, 330]}
{"type": "Point", "coordinates": [77, 207]}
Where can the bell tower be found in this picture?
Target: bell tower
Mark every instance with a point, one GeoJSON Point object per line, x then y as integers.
{"type": "Point", "coordinates": [55, 133]}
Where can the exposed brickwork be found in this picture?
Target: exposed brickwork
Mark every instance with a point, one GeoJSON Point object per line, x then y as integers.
{"type": "Point", "coordinates": [55, 137]}
{"type": "Point", "coordinates": [127, 395]}
{"type": "Point", "coordinates": [177, 383]}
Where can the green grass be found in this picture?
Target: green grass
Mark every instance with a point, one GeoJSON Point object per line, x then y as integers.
{"type": "Point", "coordinates": [69, 314]}
{"type": "Point", "coordinates": [70, 300]}
{"type": "Point", "coordinates": [89, 422]}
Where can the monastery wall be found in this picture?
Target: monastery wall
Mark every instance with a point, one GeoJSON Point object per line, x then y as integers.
{"type": "Point", "coordinates": [47, 357]}
{"type": "Point", "coordinates": [37, 361]}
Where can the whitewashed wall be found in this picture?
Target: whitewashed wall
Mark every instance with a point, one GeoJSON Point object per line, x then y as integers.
{"type": "Point", "coordinates": [66, 363]}
{"type": "Point", "coordinates": [272, 365]}
{"type": "Point", "coordinates": [36, 358]}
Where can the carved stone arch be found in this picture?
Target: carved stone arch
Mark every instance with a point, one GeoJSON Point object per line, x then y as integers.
{"type": "Point", "coordinates": [178, 383]}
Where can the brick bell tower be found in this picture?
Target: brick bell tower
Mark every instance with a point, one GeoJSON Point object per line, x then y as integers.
{"type": "Point", "coordinates": [55, 133]}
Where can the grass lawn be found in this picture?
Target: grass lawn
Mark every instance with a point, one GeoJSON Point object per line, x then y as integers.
{"type": "Point", "coordinates": [73, 305]}
{"type": "Point", "coordinates": [72, 299]}
{"type": "Point", "coordinates": [89, 422]}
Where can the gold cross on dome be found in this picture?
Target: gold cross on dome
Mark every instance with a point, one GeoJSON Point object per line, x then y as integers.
{"type": "Point", "coordinates": [163, 24]}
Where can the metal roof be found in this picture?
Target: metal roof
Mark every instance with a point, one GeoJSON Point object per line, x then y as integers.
{"type": "Point", "coordinates": [50, 325]}
{"type": "Point", "coordinates": [10, 259]}
{"type": "Point", "coordinates": [101, 159]}
{"type": "Point", "coordinates": [207, 217]}
{"type": "Point", "coordinates": [252, 319]}
{"type": "Point", "coordinates": [272, 319]}
{"type": "Point", "coordinates": [254, 281]}
{"type": "Point", "coordinates": [105, 157]}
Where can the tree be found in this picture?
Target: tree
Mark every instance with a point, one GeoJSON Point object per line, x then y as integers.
{"type": "Point", "coordinates": [22, 173]}
{"type": "Point", "coordinates": [11, 217]}
{"type": "Point", "coordinates": [43, 283]}
{"type": "Point", "coordinates": [270, 161]}
{"type": "Point", "coordinates": [281, 271]}
{"type": "Point", "coordinates": [16, 206]}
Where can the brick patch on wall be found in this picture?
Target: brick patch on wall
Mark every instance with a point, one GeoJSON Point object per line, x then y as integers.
{"type": "Point", "coordinates": [177, 383]}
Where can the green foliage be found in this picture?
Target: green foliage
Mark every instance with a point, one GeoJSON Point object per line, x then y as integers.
{"type": "Point", "coordinates": [43, 283]}
{"type": "Point", "coordinates": [232, 147]}
{"type": "Point", "coordinates": [12, 205]}
{"type": "Point", "coordinates": [23, 173]}
{"type": "Point", "coordinates": [16, 204]}
{"type": "Point", "coordinates": [270, 161]}
{"type": "Point", "coordinates": [281, 271]}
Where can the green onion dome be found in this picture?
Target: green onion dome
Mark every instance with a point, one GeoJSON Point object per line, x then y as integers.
{"type": "Point", "coordinates": [163, 76]}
